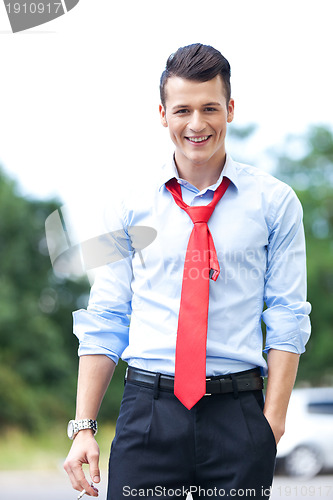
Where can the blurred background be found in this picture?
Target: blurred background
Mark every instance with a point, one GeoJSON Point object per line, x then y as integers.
{"type": "Point", "coordinates": [79, 115]}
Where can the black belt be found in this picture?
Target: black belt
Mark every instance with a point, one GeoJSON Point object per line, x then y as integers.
{"type": "Point", "coordinates": [249, 380]}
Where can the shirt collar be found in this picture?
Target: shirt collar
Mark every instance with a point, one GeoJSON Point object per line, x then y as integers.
{"type": "Point", "coordinates": [169, 171]}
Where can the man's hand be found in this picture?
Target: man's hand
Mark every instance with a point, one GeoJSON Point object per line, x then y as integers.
{"type": "Point", "coordinates": [277, 426]}
{"type": "Point", "coordinates": [95, 372]}
{"type": "Point", "coordinates": [84, 450]}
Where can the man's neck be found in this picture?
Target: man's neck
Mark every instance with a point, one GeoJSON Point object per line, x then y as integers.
{"type": "Point", "coordinates": [200, 175]}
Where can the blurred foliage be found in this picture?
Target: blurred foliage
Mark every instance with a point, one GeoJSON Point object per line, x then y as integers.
{"type": "Point", "coordinates": [306, 163]}
{"type": "Point", "coordinates": [38, 352]}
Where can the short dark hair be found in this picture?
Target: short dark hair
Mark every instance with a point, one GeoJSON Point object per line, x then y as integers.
{"type": "Point", "coordinates": [196, 62]}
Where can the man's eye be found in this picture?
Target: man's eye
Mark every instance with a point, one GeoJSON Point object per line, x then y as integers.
{"type": "Point", "coordinates": [181, 111]}
{"type": "Point", "coordinates": [210, 109]}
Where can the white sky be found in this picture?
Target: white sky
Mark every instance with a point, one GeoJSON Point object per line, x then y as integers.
{"type": "Point", "coordinates": [79, 95]}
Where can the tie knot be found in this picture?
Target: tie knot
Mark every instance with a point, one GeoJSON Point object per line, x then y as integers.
{"type": "Point", "coordinates": [200, 214]}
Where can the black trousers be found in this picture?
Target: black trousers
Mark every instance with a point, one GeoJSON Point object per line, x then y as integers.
{"type": "Point", "coordinates": [222, 447]}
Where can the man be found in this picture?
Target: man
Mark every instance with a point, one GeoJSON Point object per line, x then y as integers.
{"type": "Point", "coordinates": [196, 296]}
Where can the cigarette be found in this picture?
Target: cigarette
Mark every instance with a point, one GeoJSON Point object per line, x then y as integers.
{"type": "Point", "coordinates": [83, 492]}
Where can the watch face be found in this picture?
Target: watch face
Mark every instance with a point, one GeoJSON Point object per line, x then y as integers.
{"type": "Point", "coordinates": [70, 429]}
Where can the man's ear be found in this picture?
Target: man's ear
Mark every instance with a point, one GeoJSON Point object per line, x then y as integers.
{"type": "Point", "coordinates": [231, 110]}
{"type": "Point", "coordinates": [163, 115]}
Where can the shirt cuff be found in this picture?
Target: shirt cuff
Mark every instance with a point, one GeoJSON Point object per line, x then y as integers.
{"type": "Point", "coordinates": [91, 349]}
{"type": "Point", "coordinates": [103, 336]}
{"type": "Point", "coordinates": [288, 328]}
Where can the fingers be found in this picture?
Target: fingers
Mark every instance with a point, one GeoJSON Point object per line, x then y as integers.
{"type": "Point", "coordinates": [79, 481]}
{"type": "Point", "coordinates": [93, 459]}
{"type": "Point", "coordinates": [84, 450]}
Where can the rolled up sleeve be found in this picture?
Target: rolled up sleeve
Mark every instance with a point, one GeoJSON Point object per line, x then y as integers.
{"type": "Point", "coordinates": [104, 327]}
{"type": "Point", "coordinates": [287, 314]}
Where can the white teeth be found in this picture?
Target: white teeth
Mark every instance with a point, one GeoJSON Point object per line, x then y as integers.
{"type": "Point", "coordinates": [198, 139]}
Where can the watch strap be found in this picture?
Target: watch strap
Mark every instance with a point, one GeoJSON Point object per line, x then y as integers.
{"type": "Point", "coordinates": [85, 423]}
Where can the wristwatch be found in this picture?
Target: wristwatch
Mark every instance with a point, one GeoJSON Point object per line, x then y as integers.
{"type": "Point", "coordinates": [75, 426]}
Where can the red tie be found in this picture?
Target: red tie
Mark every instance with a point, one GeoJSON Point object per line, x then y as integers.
{"type": "Point", "coordinates": [200, 264]}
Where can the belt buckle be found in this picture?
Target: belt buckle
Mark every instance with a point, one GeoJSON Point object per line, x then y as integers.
{"type": "Point", "coordinates": [207, 393]}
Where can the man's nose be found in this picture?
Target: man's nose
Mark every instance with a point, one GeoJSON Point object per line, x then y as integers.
{"type": "Point", "coordinates": [197, 123]}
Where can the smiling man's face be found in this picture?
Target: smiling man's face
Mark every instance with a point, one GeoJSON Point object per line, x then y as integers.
{"type": "Point", "coordinates": [197, 115]}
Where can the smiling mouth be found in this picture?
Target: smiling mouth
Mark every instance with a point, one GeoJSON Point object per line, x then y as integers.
{"type": "Point", "coordinates": [196, 140]}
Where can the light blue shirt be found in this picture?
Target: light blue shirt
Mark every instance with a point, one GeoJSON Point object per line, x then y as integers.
{"type": "Point", "coordinates": [259, 239]}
